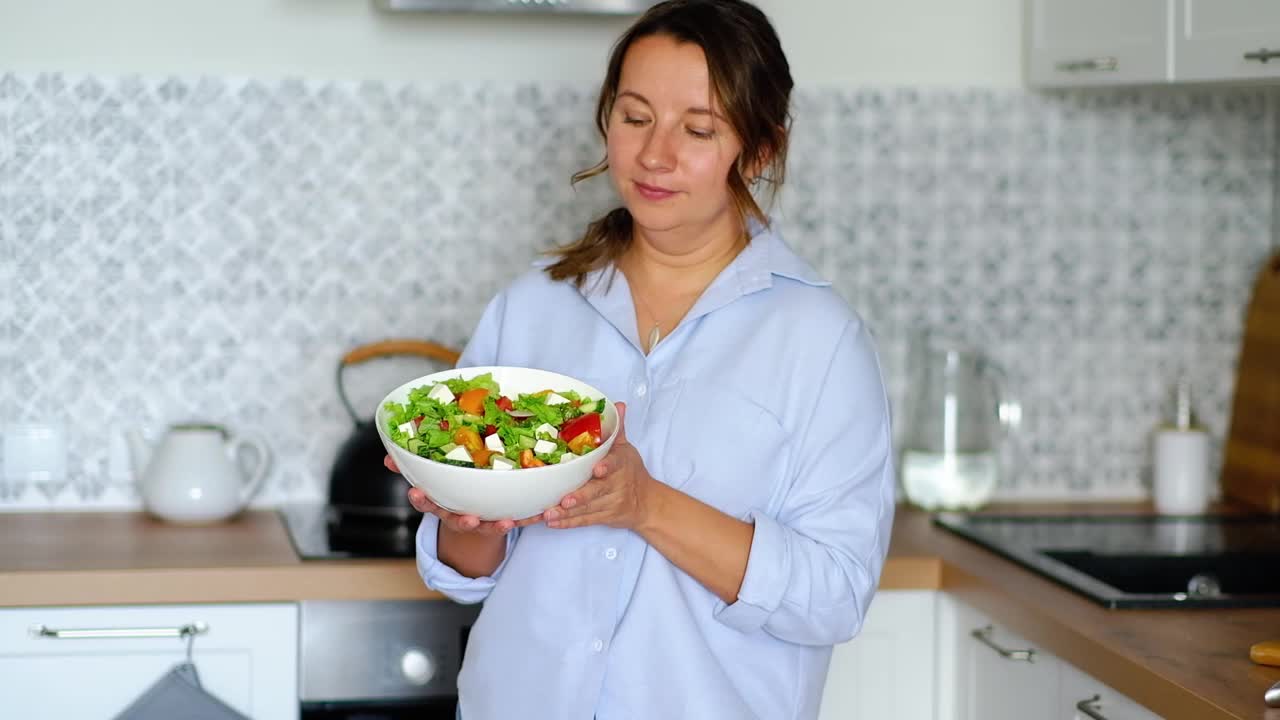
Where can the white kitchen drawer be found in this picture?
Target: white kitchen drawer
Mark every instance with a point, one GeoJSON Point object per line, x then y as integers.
{"type": "Point", "coordinates": [247, 657]}
{"type": "Point", "coordinates": [1077, 687]}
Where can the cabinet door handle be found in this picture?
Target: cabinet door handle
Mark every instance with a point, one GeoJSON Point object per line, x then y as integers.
{"type": "Point", "coordinates": [1098, 64]}
{"type": "Point", "coordinates": [187, 631]}
{"type": "Point", "coordinates": [1262, 55]}
{"type": "Point", "coordinates": [1090, 708]}
{"type": "Point", "coordinates": [983, 635]}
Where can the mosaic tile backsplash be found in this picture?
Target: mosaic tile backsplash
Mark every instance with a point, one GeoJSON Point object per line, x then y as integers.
{"type": "Point", "coordinates": [177, 248]}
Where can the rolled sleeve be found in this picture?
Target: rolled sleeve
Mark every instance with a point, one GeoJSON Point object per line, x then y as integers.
{"type": "Point", "coordinates": [814, 565]}
{"type": "Point", "coordinates": [765, 579]}
{"type": "Point", "coordinates": [439, 576]}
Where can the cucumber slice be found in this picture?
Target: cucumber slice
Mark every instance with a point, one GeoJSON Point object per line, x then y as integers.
{"type": "Point", "coordinates": [527, 442]}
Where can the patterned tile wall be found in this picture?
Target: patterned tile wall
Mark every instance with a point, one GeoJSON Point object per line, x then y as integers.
{"type": "Point", "coordinates": [179, 248]}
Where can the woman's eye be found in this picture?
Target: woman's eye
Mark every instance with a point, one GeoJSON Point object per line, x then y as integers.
{"type": "Point", "coordinates": [629, 120]}
{"type": "Point", "coordinates": [701, 133]}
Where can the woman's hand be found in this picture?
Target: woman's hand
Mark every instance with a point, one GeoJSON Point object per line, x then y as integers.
{"type": "Point", "coordinates": [455, 522]}
{"type": "Point", "coordinates": [619, 494]}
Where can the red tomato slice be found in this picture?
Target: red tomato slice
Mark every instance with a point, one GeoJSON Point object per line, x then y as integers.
{"type": "Point", "coordinates": [589, 423]}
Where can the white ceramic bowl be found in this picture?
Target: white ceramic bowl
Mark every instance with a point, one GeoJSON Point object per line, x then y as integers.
{"type": "Point", "coordinates": [499, 494]}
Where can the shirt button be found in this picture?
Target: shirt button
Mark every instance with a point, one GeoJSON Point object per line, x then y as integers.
{"type": "Point", "coordinates": [641, 389]}
{"type": "Point", "coordinates": [598, 645]}
{"type": "Point", "coordinates": [610, 554]}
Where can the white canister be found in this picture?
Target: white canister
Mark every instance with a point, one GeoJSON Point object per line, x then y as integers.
{"type": "Point", "coordinates": [1181, 484]}
{"type": "Point", "coordinates": [1181, 479]}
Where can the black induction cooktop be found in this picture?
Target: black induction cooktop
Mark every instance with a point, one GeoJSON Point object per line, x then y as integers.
{"type": "Point", "coordinates": [1140, 561]}
{"type": "Point", "coordinates": [320, 532]}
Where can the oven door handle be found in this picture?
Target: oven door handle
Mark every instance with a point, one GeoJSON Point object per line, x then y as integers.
{"type": "Point", "coordinates": [190, 629]}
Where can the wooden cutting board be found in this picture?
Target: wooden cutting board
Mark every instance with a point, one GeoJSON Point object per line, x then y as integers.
{"type": "Point", "coordinates": [1251, 465]}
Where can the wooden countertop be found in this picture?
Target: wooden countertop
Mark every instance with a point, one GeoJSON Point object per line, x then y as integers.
{"type": "Point", "coordinates": [133, 559]}
{"type": "Point", "coordinates": [1183, 664]}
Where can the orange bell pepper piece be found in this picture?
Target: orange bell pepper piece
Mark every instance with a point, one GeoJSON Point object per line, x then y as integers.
{"type": "Point", "coordinates": [472, 401]}
{"type": "Point", "coordinates": [582, 444]}
{"type": "Point", "coordinates": [528, 460]}
{"type": "Point", "coordinates": [469, 439]}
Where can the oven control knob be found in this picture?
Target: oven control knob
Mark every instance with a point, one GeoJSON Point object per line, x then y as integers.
{"type": "Point", "coordinates": [417, 666]}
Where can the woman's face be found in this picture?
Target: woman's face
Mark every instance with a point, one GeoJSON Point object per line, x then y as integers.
{"type": "Point", "coordinates": [670, 149]}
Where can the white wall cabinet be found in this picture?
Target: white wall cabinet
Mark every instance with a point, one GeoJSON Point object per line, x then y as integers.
{"type": "Point", "coordinates": [1226, 40]}
{"type": "Point", "coordinates": [1101, 42]}
{"type": "Point", "coordinates": [247, 657]}
{"type": "Point", "coordinates": [887, 670]}
{"type": "Point", "coordinates": [1097, 42]}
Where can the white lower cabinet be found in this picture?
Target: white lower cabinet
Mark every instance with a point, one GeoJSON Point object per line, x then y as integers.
{"type": "Point", "coordinates": [987, 672]}
{"type": "Point", "coordinates": [886, 671]}
{"type": "Point", "coordinates": [89, 663]}
{"type": "Point", "coordinates": [1086, 698]}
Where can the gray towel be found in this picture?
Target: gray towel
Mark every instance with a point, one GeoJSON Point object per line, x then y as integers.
{"type": "Point", "coordinates": [177, 695]}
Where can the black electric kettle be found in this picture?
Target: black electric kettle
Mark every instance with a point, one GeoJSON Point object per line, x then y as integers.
{"type": "Point", "coordinates": [359, 483]}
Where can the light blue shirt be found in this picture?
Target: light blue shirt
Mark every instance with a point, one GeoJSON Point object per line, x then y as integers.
{"type": "Point", "coordinates": [767, 402]}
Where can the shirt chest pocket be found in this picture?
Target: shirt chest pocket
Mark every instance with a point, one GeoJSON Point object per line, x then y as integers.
{"type": "Point", "coordinates": [720, 447]}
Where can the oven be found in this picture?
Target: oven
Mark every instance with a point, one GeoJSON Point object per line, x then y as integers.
{"type": "Point", "coordinates": [381, 660]}
{"type": "Point", "coordinates": [367, 659]}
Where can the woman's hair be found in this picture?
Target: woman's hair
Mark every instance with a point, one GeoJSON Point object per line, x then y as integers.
{"type": "Point", "coordinates": [751, 80]}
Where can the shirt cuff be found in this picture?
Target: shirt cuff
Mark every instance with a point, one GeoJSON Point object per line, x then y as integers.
{"type": "Point", "coordinates": [441, 577]}
{"type": "Point", "coordinates": [768, 566]}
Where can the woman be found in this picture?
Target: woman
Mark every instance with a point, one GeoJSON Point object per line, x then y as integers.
{"type": "Point", "coordinates": [737, 528]}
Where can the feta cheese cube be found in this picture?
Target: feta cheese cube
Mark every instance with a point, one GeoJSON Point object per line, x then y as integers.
{"type": "Point", "coordinates": [409, 428]}
{"type": "Point", "coordinates": [494, 443]}
{"type": "Point", "coordinates": [567, 457]}
{"type": "Point", "coordinates": [555, 399]}
{"type": "Point", "coordinates": [460, 454]}
{"type": "Point", "coordinates": [544, 429]}
{"type": "Point", "coordinates": [440, 393]}
{"type": "Point", "coordinates": [542, 447]}
{"type": "Point", "coordinates": [501, 463]}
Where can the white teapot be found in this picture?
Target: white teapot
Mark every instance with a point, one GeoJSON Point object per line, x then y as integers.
{"type": "Point", "coordinates": [193, 476]}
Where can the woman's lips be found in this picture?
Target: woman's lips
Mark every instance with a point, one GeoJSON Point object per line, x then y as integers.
{"type": "Point", "coordinates": [652, 192]}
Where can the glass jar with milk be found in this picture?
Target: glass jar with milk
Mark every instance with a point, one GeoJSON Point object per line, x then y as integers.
{"type": "Point", "coordinates": [958, 416]}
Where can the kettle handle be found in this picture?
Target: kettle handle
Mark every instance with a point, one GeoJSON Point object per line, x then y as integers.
{"type": "Point", "coordinates": [251, 488]}
{"type": "Point", "coordinates": [390, 348]}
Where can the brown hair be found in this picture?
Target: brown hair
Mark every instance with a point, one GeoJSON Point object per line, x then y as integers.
{"type": "Point", "coordinates": [751, 79]}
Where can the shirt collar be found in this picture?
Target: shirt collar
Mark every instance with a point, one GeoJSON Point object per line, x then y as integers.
{"type": "Point", "coordinates": [766, 256]}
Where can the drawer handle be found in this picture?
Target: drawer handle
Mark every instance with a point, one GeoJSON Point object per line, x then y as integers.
{"type": "Point", "coordinates": [189, 630]}
{"type": "Point", "coordinates": [1099, 64]}
{"type": "Point", "coordinates": [1090, 708]}
{"type": "Point", "coordinates": [983, 635]}
{"type": "Point", "coordinates": [1262, 55]}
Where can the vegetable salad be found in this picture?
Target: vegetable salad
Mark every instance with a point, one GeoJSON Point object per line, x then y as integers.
{"type": "Point", "coordinates": [470, 423]}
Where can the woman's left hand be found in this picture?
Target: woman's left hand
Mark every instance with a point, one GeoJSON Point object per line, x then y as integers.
{"type": "Point", "coordinates": [619, 494]}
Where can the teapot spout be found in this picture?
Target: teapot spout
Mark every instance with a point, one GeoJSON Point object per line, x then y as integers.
{"type": "Point", "coordinates": [139, 452]}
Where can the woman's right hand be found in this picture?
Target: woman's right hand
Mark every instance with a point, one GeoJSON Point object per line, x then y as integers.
{"type": "Point", "coordinates": [453, 521]}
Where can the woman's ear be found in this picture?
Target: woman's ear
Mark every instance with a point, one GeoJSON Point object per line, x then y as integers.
{"type": "Point", "coordinates": [753, 170]}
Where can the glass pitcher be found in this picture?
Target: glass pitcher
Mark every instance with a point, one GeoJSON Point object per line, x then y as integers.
{"type": "Point", "coordinates": [958, 420]}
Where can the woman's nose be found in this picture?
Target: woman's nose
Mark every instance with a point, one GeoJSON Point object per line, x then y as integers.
{"type": "Point", "coordinates": [658, 152]}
